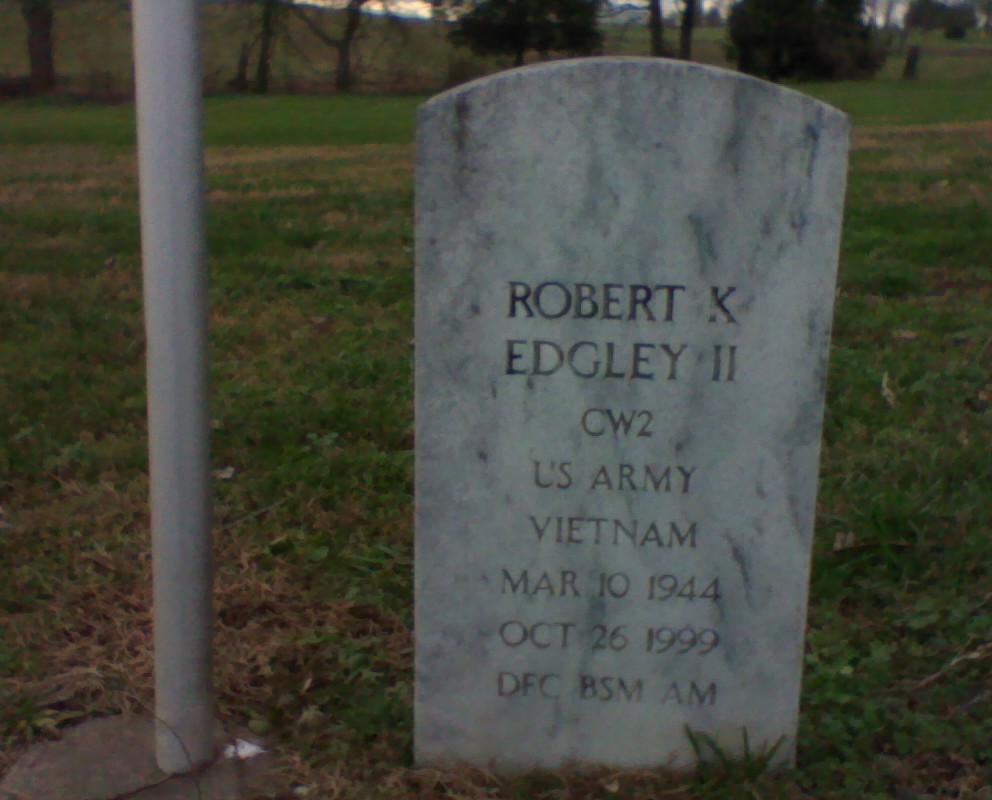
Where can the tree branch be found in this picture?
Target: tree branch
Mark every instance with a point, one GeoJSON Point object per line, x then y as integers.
{"type": "Point", "coordinates": [316, 30]}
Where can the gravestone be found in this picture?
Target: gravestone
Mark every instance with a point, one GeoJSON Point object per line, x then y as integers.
{"type": "Point", "coordinates": [625, 278]}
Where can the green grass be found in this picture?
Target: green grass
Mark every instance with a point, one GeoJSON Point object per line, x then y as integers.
{"type": "Point", "coordinates": [231, 121]}
{"type": "Point", "coordinates": [311, 323]}
{"type": "Point", "coordinates": [922, 102]}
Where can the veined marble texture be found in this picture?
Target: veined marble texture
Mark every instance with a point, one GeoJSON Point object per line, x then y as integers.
{"type": "Point", "coordinates": [625, 281]}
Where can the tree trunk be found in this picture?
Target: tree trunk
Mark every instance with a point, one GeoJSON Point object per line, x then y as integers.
{"type": "Point", "coordinates": [263, 70]}
{"type": "Point", "coordinates": [775, 59]}
{"type": "Point", "coordinates": [40, 19]}
{"type": "Point", "coordinates": [353, 19]}
{"type": "Point", "coordinates": [342, 77]}
{"type": "Point", "coordinates": [912, 66]}
{"type": "Point", "coordinates": [518, 60]}
{"type": "Point", "coordinates": [656, 28]}
{"type": "Point", "coordinates": [685, 32]}
{"type": "Point", "coordinates": [240, 80]}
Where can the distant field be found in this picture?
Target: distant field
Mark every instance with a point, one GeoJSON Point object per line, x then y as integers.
{"type": "Point", "coordinates": [389, 119]}
{"type": "Point", "coordinates": [94, 50]}
{"type": "Point", "coordinates": [230, 120]}
{"type": "Point", "coordinates": [93, 53]}
{"type": "Point", "coordinates": [955, 85]}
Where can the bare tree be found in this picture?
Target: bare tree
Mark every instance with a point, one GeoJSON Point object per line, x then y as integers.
{"type": "Point", "coordinates": [241, 14]}
{"type": "Point", "coordinates": [634, 13]}
{"type": "Point", "coordinates": [343, 44]}
{"type": "Point", "coordinates": [656, 28]}
{"type": "Point", "coordinates": [40, 19]}
{"type": "Point", "coordinates": [272, 14]}
{"type": "Point", "coordinates": [890, 7]}
{"type": "Point", "coordinates": [984, 12]}
{"type": "Point", "coordinates": [240, 80]}
{"type": "Point", "coordinates": [685, 29]}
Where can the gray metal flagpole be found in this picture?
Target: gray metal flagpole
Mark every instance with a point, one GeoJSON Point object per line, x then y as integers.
{"type": "Point", "coordinates": [170, 157]}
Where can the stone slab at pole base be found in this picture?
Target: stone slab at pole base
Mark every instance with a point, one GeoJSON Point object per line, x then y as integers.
{"type": "Point", "coordinates": [114, 759]}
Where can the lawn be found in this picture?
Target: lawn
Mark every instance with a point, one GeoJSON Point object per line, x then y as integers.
{"type": "Point", "coordinates": [310, 239]}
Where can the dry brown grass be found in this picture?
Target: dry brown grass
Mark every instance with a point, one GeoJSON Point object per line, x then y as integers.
{"type": "Point", "coordinates": [77, 534]}
{"type": "Point", "coordinates": [224, 158]}
{"type": "Point", "coordinates": [880, 134]}
{"type": "Point", "coordinates": [944, 166]}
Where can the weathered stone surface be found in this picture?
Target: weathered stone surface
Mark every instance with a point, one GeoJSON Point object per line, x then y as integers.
{"type": "Point", "coordinates": [625, 276]}
{"type": "Point", "coordinates": [113, 757]}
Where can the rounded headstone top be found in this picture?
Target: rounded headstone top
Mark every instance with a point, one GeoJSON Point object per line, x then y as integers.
{"type": "Point", "coordinates": [597, 71]}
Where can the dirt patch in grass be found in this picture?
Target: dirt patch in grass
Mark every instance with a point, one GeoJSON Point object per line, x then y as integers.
{"type": "Point", "coordinates": [222, 195]}
{"type": "Point", "coordinates": [976, 288]}
{"type": "Point", "coordinates": [23, 192]}
{"type": "Point", "coordinates": [227, 157]}
{"type": "Point", "coordinates": [116, 279]}
{"type": "Point", "coordinates": [870, 136]}
{"type": "Point", "coordinates": [65, 162]}
{"type": "Point", "coordinates": [941, 167]}
{"type": "Point", "coordinates": [942, 194]}
{"type": "Point", "coordinates": [362, 172]}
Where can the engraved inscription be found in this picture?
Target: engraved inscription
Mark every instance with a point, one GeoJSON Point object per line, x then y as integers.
{"type": "Point", "coordinates": [604, 531]}
{"type": "Point", "coordinates": [593, 482]}
{"type": "Point", "coordinates": [601, 421]}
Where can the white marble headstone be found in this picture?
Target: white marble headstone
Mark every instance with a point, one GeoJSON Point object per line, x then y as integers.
{"type": "Point", "coordinates": [625, 278]}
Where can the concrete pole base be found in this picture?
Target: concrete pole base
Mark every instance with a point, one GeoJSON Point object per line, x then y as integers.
{"type": "Point", "coordinates": [114, 759]}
